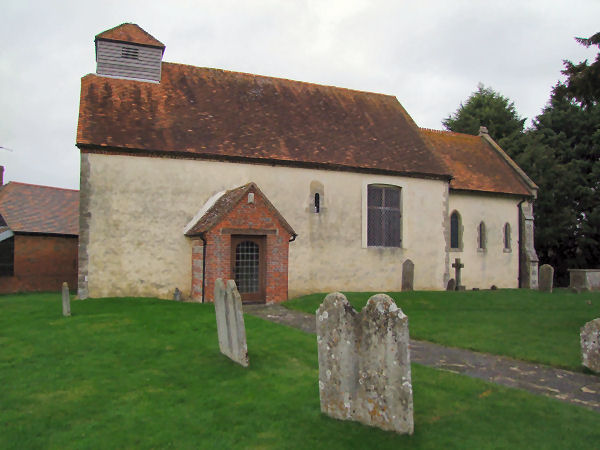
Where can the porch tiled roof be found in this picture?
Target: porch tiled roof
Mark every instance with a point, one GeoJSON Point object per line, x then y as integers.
{"type": "Point", "coordinates": [226, 203]}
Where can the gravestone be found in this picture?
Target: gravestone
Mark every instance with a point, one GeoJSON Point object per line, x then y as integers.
{"type": "Point", "coordinates": [408, 275]}
{"type": "Point", "coordinates": [230, 322]}
{"type": "Point", "coordinates": [66, 300]}
{"type": "Point", "coordinates": [546, 278]}
{"type": "Point", "coordinates": [364, 363]}
{"type": "Point", "coordinates": [177, 295]}
{"type": "Point", "coordinates": [457, 266]}
{"type": "Point", "coordinates": [590, 345]}
{"type": "Point", "coordinates": [451, 286]}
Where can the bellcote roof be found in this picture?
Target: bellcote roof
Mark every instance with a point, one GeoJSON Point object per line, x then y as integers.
{"type": "Point", "coordinates": [130, 33]}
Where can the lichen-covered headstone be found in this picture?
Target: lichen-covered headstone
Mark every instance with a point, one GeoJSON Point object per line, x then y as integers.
{"type": "Point", "coordinates": [364, 363]}
{"type": "Point", "coordinates": [230, 322]}
{"type": "Point", "coordinates": [590, 345]}
{"type": "Point", "coordinates": [451, 286]}
{"type": "Point", "coordinates": [408, 275]}
{"type": "Point", "coordinates": [66, 300]}
{"type": "Point", "coordinates": [546, 278]}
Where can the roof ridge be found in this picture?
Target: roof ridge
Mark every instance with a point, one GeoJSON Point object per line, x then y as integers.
{"type": "Point", "coordinates": [280, 79]}
{"type": "Point", "coordinates": [456, 133]}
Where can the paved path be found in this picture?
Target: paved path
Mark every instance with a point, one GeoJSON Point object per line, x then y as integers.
{"type": "Point", "coordinates": [571, 387]}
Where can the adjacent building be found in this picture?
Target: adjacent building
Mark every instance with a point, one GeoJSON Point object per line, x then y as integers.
{"type": "Point", "coordinates": [38, 237]}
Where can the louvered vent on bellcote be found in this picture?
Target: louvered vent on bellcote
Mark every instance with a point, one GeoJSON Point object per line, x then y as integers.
{"type": "Point", "coordinates": [127, 51]}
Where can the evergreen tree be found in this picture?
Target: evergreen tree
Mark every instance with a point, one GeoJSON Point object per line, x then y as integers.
{"type": "Point", "coordinates": [561, 153]}
{"type": "Point", "coordinates": [583, 79]}
{"type": "Point", "coordinates": [486, 107]}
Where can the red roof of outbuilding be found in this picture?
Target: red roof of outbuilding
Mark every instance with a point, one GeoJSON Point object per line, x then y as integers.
{"type": "Point", "coordinates": [476, 165]}
{"type": "Point", "coordinates": [130, 32]}
{"type": "Point", "coordinates": [30, 208]}
{"type": "Point", "coordinates": [211, 113]}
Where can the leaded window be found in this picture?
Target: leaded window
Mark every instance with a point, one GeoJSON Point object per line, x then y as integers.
{"type": "Point", "coordinates": [383, 216]}
{"type": "Point", "coordinates": [507, 236]}
{"type": "Point", "coordinates": [455, 241]}
{"type": "Point", "coordinates": [481, 236]}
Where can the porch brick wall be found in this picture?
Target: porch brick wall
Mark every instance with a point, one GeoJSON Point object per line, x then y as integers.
{"type": "Point", "coordinates": [250, 217]}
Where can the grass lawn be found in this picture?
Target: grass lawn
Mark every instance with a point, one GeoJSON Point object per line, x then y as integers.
{"type": "Point", "coordinates": [146, 373]}
{"type": "Point", "coordinates": [523, 324]}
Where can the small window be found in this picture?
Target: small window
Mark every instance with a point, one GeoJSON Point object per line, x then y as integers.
{"type": "Point", "coordinates": [481, 236]}
{"type": "Point", "coordinates": [455, 230]}
{"type": "Point", "coordinates": [507, 236]}
{"type": "Point", "coordinates": [7, 257]}
{"type": "Point", "coordinates": [383, 216]}
{"type": "Point", "coordinates": [130, 53]}
{"type": "Point", "coordinates": [317, 202]}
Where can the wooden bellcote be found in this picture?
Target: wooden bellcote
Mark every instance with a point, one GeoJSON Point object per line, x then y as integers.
{"type": "Point", "coordinates": [127, 51]}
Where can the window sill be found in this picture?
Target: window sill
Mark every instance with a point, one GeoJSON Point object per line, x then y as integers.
{"type": "Point", "coordinates": [456, 250]}
{"type": "Point", "coordinates": [482, 250]}
{"type": "Point", "coordinates": [507, 250]}
{"type": "Point", "coordinates": [384, 247]}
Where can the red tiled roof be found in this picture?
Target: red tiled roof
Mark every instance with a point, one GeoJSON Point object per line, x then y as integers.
{"type": "Point", "coordinates": [475, 164]}
{"type": "Point", "coordinates": [30, 208]}
{"type": "Point", "coordinates": [130, 32]}
{"type": "Point", "coordinates": [210, 113]}
{"type": "Point", "coordinates": [226, 203]}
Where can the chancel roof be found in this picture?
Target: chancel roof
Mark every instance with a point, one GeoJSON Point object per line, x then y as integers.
{"type": "Point", "coordinates": [30, 208]}
{"type": "Point", "coordinates": [478, 164]}
{"type": "Point", "coordinates": [210, 113]}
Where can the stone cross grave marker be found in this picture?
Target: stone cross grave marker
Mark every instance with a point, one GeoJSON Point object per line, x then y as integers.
{"type": "Point", "coordinates": [66, 300]}
{"type": "Point", "coordinates": [457, 266]}
{"type": "Point", "coordinates": [546, 278]}
{"type": "Point", "coordinates": [590, 345]}
{"type": "Point", "coordinates": [408, 275]}
{"type": "Point", "coordinates": [230, 322]}
{"type": "Point", "coordinates": [364, 363]}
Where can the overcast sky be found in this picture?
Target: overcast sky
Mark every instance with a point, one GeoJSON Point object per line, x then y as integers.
{"type": "Point", "coordinates": [430, 54]}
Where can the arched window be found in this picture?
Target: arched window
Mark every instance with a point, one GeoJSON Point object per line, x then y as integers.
{"type": "Point", "coordinates": [317, 202]}
{"type": "Point", "coordinates": [455, 230]}
{"type": "Point", "coordinates": [383, 216]}
{"type": "Point", "coordinates": [481, 236]}
{"type": "Point", "coordinates": [507, 236]}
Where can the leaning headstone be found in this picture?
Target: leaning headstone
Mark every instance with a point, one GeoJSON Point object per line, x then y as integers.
{"type": "Point", "coordinates": [364, 363]}
{"type": "Point", "coordinates": [66, 300]}
{"type": "Point", "coordinates": [451, 286]}
{"type": "Point", "coordinates": [408, 275]}
{"type": "Point", "coordinates": [590, 345]}
{"type": "Point", "coordinates": [546, 278]}
{"type": "Point", "coordinates": [230, 322]}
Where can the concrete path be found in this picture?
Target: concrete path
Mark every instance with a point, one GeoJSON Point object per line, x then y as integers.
{"type": "Point", "coordinates": [572, 387]}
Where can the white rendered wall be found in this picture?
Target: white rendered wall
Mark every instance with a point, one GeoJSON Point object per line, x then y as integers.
{"type": "Point", "coordinates": [140, 205]}
{"type": "Point", "coordinates": [494, 265]}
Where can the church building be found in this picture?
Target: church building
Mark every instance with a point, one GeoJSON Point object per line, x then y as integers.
{"type": "Point", "coordinates": [189, 174]}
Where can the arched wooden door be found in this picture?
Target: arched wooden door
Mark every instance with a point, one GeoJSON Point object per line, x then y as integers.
{"type": "Point", "coordinates": [248, 267]}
